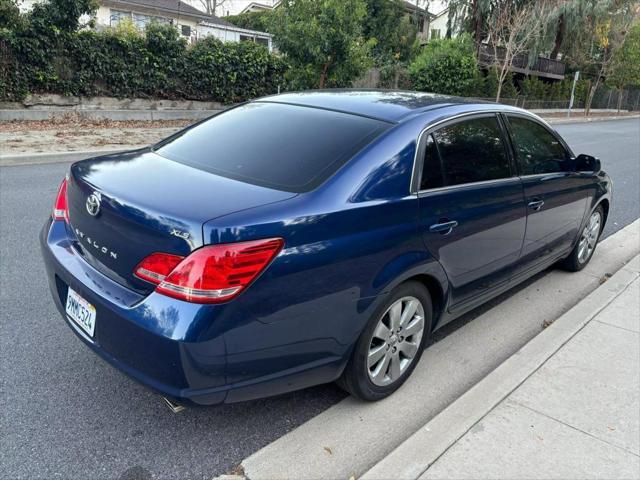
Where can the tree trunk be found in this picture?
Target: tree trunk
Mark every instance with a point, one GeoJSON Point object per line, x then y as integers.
{"type": "Point", "coordinates": [501, 77]}
{"type": "Point", "coordinates": [498, 92]}
{"type": "Point", "coordinates": [559, 37]}
{"type": "Point", "coordinates": [477, 25]}
{"type": "Point", "coordinates": [620, 92]}
{"type": "Point", "coordinates": [323, 75]}
{"type": "Point", "coordinates": [592, 93]}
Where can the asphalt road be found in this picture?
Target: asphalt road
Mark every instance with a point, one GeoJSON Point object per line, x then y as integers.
{"type": "Point", "coordinates": [67, 414]}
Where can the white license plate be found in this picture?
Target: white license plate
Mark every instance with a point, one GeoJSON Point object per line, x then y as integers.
{"type": "Point", "coordinates": [81, 312]}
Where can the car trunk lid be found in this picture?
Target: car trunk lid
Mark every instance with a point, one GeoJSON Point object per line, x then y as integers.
{"type": "Point", "coordinates": [146, 204]}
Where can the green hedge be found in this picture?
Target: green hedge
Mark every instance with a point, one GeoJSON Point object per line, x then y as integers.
{"type": "Point", "coordinates": [446, 66]}
{"type": "Point", "coordinates": [124, 63]}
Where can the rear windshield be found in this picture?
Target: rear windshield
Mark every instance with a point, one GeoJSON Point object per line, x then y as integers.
{"type": "Point", "coordinates": [280, 146]}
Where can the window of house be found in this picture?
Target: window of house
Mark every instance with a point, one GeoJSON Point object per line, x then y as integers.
{"type": "Point", "coordinates": [186, 30]}
{"type": "Point", "coordinates": [537, 150]}
{"type": "Point", "coordinates": [246, 38]}
{"type": "Point", "coordinates": [471, 151]}
{"type": "Point", "coordinates": [142, 21]}
{"type": "Point", "coordinates": [435, 33]}
{"type": "Point", "coordinates": [117, 16]}
{"type": "Point", "coordinates": [262, 41]}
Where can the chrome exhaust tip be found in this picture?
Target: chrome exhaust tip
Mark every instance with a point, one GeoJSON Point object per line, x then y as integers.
{"type": "Point", "coordinates": [174, 407]}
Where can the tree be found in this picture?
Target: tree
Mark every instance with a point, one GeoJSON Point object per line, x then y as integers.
{"type": "Point", "coordinates": [251, 20]}
{"type": "Point", "coordinates": [597, 41]}
{"type": "Point", "coordinates": [387, 23]}
{"type": "Point", "coordinates": [9, 13]}
{"type": "Point", "coordinates": [211, 6]}
{"type": "Point", "coordinates": [446, 66]}
{"type": "Point", "coordinates": [322, 40]}
{"type": "Point", "coordinates": [61, 15]}
{"type": "Point", "coordinates": [512, 30]}
{"type": "Point", "coordinates": [625, 63]}
{"type": "Point", "coordinates": [470, 16]}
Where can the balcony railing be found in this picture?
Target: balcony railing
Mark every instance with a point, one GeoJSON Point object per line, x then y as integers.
{"type": "Point", "coordinates": [542, 67]}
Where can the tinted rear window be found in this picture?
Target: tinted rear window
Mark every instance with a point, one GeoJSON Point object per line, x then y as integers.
{"type": "Point", "coordinates": [280, 146]}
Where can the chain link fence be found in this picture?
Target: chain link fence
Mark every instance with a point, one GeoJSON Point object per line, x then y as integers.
{"type": "Point", "coordinates": [603, 99]}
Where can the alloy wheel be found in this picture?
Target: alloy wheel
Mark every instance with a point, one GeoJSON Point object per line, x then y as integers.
{"type": "Point", "coordinates": [395, 341]}
{"type": "Point", "coordinates": [589, 237]}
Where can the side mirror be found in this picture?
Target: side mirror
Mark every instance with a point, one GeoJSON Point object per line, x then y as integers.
{"type": "Point", "coordinates": [587, 163]}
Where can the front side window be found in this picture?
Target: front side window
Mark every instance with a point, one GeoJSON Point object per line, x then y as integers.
{"type": "Point", "coordinates": [470, 151]}
{"type": "Point", "coordinates": [537, 150]}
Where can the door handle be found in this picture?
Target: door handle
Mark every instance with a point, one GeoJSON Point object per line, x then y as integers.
{"type": "Point", "coordinates": [443, 228]}
{"type": "Point", "coordinates": [536, 204]}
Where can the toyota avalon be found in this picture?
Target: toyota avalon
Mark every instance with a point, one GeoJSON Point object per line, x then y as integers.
{"type": "Point", "coordinates": [312, 237]}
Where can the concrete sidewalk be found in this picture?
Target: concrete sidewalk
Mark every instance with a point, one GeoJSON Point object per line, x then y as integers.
{"type": "Point", "coordinates": [567, 405]}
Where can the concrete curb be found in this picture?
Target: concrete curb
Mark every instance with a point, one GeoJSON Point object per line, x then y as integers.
{"type": "Point", "coordinates": [444, 430]}
{"type": "Point", "coordinates": [565, 120]}
{"type": "Point", "coordinates": [57, 157]}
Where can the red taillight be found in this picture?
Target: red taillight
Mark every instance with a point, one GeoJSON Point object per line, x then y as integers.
{"type": "Point", "coordinates": [212, 274]}
{"type": "Point", "coordinates": [157, 266]}
{"type": "Point", "coordinates": [60, 211]}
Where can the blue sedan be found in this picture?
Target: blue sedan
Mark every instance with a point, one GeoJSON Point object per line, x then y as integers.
{"type": "Point", "coordinates": [312, 237]}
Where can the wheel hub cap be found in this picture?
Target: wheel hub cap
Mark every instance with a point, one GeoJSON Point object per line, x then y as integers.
{"type": "Point", "coordinates": [589, 237]}
{"type": "Point", "coordinates": [395, 341]}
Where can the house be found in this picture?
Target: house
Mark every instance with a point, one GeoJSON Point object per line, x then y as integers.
{"type": "Point", "coordinates": [260, 7]}
{"type": "Point", "coordinates": [438, 25]}
{"type": "Point", "coordinates": [193, 24]}
{"type": "Point", "coordinates": [419, 17]}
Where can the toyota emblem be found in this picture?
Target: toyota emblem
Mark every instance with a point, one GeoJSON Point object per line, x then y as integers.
{"type": "Point", "coordinates": [93, 204]}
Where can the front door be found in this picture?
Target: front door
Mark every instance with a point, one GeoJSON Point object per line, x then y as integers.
{"type": "Point", "coordinates": [556, 196]}
{"type": "Point", "coordinates": [472, 208]}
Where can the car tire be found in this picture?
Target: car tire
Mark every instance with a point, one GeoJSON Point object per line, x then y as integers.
{"type": "Point", "coordinates": [365, 376]}
{"type": "Point", "coordinates": [587, 242]}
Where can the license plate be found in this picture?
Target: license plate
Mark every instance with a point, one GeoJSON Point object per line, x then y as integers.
{"type": "Point", "coordinates": [81, 312]}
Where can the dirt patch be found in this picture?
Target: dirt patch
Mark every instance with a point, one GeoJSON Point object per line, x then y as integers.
{"type": "Point", "coordinates": [79, 125]}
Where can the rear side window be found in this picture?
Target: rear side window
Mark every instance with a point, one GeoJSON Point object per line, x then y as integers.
{"type": "Point", "coordinates": [537, 150]}
{"type": "Point", "coordinates": [280, 146]}
{"type": "Point", "coordinates": [469, 151]}
{"type": "Point", "coordinates": [432, 166]}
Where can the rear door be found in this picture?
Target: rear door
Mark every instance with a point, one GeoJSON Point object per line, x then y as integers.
{"type": "Point", "coordinates": [472, 208]}
{"type": "Point", "coordinates": [556, 195]}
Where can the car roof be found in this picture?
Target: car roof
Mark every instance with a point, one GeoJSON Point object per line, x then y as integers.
{"type": "Point", "coordinates": [388, 105]}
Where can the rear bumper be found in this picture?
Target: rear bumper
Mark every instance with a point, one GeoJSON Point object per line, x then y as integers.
{"type": "Point", "coordinates": [177, 348]}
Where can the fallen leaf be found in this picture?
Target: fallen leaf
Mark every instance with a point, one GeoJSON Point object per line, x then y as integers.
{"type": "Point", "coordinates": [328, 450]}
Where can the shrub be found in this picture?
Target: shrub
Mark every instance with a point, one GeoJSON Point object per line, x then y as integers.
{"type": "Point", "coordinates": [446, 66]}
{"type": "Point", "coordinates": [122, 62]}
{"type": "Point", "coordinates": [508, 88]}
